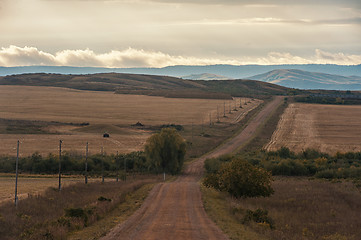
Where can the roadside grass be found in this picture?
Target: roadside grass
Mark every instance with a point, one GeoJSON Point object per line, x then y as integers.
{"type": "Point", "coordinates": [300, 208]}
{"type": "Point", "coordinates": [311, 209]}
{"type": "Point", "coordinates": [219, 210]}
{"type": "Point", "coordinates": [54, 214]}
{"type": "Point", "coordinates": [132, 202]}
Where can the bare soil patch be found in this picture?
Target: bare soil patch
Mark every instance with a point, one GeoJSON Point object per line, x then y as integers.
{"type": "Point", "coordinates": [327, 128]}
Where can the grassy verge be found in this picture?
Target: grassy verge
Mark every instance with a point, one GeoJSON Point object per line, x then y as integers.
{"type": "Point", "coordinates": [54, 214]}
{"type": "Point", "coordinates": [303, 208]}
{"type": "Point", "coordinates": [132, 202]}
{"type": "Point", "coordinates": [219, 210]}
{"type": "Point", "coordinates": [300, 208]}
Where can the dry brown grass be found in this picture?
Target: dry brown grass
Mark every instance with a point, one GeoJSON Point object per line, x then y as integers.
{"type": "Point", "coordinates": [43, 216]}
{"type": "Point", "coordinates": [311, 209]}
{"type": "Point", "coordinates": [105, 111]}
{"type": "Point", "coordinates": [327, 128]}
{"type": "Point", "coordinates": [33, 184]}
{"type": "Point", "coordinates": [301, 208]}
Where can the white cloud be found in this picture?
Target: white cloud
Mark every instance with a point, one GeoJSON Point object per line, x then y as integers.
{"type": "Point", "coordinates": [27, 56]}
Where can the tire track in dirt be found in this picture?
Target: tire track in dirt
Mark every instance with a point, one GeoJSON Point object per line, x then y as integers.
{"type": "Point", "coordinates": [175, 210]}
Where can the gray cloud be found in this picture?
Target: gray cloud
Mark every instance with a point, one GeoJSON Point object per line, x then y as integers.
{"type": "Point", "coordinates": [356, 20]}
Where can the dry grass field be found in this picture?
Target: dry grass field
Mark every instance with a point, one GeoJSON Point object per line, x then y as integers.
{"type": "Point", "coordinates": [327, 128]}
{"type": "Point", "coordinates": [31, 185]}
{"type": "Point", "coordinates": [105, 111]}
{"type": "Point", "coordinates": [301, 208]}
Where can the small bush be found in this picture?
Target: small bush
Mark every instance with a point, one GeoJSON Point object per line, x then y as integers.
{"type": "Point", "coordinates": [258, 216]}
{"type": "Point", "coordinates": [288, 167]}
{"type": "Point", "coordinates": [212, 165]}
{"type": "Point", "coordinates": [240, 179]}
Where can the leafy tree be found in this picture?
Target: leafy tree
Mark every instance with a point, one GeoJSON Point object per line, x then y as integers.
{"type": "Point", "coordinates": [240, 179]}
{"type": "Point", "coordinates": [166, 151]}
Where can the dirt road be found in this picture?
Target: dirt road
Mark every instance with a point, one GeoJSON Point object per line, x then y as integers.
{"type": "Point", "coordinates": [175, 210]}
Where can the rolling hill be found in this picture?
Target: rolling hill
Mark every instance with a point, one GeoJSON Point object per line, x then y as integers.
{"type": "Point", "coordinates": [295, 78]}
{"type": "Point", "coordinates": [149, 85]}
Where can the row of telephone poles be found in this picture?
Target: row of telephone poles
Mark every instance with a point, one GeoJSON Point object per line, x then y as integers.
{"type": "Point", "coordinates": [229, 109]}
{"type": "Point", "coordinates": [59, 173]}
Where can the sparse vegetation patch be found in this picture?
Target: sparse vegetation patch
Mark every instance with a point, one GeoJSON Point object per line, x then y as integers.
{"type": "Point", "coordinates": [54, 214]}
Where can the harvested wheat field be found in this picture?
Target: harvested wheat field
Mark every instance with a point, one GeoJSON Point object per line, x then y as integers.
{"type": "Point", "coordinates": [31, 185]}
{"type": "Point", "coordinates": [327, 128]}
{"type": "Point", "coordinates": [40, 116]}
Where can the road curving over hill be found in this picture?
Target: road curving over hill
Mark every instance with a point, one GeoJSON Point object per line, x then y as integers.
{"type": "Point", "coordinates": [175, 210]}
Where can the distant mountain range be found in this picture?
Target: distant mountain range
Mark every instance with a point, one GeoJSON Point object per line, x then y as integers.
{"type": "Point", "coordinates": [206, 76]}
{"type": "Point", "coordinates": [230, 71]}
{"type": "Point", "coordinates": [309, 80]}
{"type": "Point", "coordinates": [307, 76]}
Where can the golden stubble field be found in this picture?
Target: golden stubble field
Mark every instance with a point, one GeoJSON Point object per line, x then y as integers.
{"type": "Point", "coordinates": [328, 128]}
{"type": "Point", "coordinates": [32, 185]}
{"type": "Point", "coordinates": [106, 112]}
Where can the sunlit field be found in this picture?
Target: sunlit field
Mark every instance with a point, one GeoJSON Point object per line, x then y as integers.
{"type": "Point", "coordinates": [105, 112]}
{"type": "Point", "coordinates": [327, 128]}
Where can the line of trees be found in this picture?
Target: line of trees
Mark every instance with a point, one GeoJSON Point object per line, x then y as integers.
{"type": "Point", "coordinates": [74, 164]}
{"type": "Point", "coordinates": [309, 162]}
{"type": "Point", "coordinates": [164, 152]}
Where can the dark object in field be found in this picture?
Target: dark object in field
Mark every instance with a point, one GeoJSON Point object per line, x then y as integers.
{"type": "Point", "coordinates": [103, 199]}
{"type": "Point", "coordinates": [138, 124]}
{"type": "Point", "coordinates": [106, 135]}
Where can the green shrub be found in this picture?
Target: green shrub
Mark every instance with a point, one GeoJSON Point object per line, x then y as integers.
{"type": "Point", "coordinates": [212, 165]}
{"type": "Point", "coordinates": [240, 179]}
{"type": "Point", "coordinates": [289, 167]}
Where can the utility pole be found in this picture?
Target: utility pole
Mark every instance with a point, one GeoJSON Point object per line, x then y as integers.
{"type": "Point", "coordinates": [102, 164]}
{"type": "Point", "coordinates": [16, 177]}
{"type": "Point", "coordinates": [229, 105]}
{"type": "Point", "coordinates": [217, 115]}
{"type": "Point", "coordinates": [240, 102]}
{"type": "Point", "coordinates": [117, 178]}
{"type": "Point", "coordinates": [192, 132]}
{"type": "Point", "coordinates": [86, 163]}
{"type": "Point", "coordinates": [125, 169]}
{"type": "Point", "coordinates": [60, 142]}
{"type": "Point", "coordinates": [210, 119]}
{"type": "Point", "coordinates": [224, 109]}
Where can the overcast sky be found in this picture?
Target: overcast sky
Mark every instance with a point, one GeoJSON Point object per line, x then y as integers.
{"type": "Point", "coordinates": [158, 33]}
